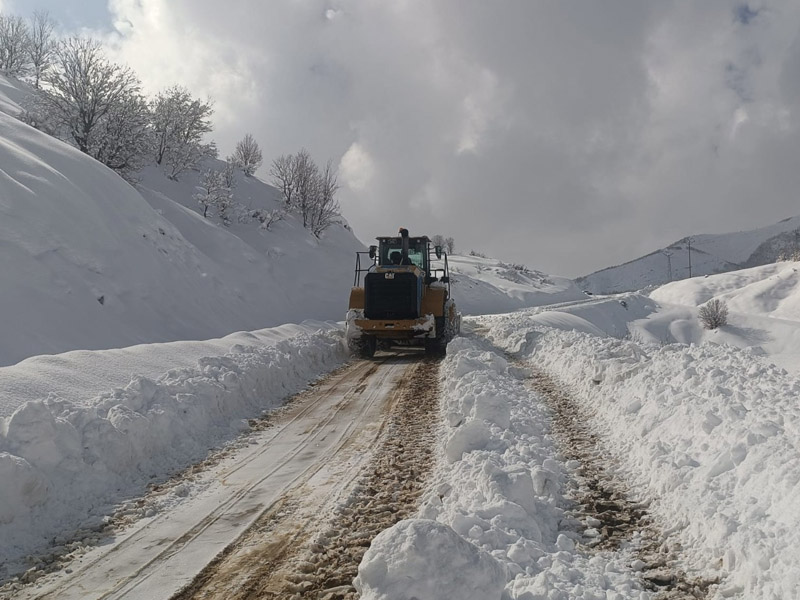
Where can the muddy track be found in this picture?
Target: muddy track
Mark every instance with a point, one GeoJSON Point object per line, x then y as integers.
{"type": "Point", "coordinates": [604, 502]}
{"type": "Point", "coordinates": [309, 546]}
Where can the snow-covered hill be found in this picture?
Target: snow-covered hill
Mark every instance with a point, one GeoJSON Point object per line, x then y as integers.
{"type": "Point", "coordinates": [91, 262]}
{"type": "Point", "coordinates": [710, 253]}
{"type": "Point", "coordinates": [486, 286]}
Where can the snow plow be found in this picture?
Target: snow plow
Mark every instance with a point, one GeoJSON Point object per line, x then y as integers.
{"type": "Point", "coordinates": [401, 298]}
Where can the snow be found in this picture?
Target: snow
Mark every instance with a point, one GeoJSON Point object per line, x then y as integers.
{"type": "Point", "coordinates": [486, 286]}
{"type": "Point", "coordinates": [705, 430]}
{"type": "Point", "coordinates": [101, 394]}
{"type": "Point", "coordinates": [501, 487]}
{"type": "Point", "coordinates": [709, 254]}
{"type": "Point", "coordinates": [444, 565]}
{"type": "Point", "coordinates": [96, 263]}
{"type": "Point", "coordinates": [709, 433]}
{"type": "Point", "coordinates": [68, 458]}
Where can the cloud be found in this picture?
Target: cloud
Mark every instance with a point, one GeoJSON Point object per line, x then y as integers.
{"type": "Point", "coordinates": [565, 135]}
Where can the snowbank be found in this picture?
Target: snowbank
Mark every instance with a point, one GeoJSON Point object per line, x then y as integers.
{"type": "Point", "coordinates": [64, 463]}
{"type": "Point", "coordinates": [711, 434]}
{"type": "Point", "coordinates": [424, 560]}
{"type": "Point", "coordinates": [500, 486]}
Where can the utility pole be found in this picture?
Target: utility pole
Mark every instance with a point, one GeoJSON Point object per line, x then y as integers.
{"type": "Point", "coordinates": [668, 254]}
{"type": "Point", "coordinates": [689, 243]}
{"type": "Point", "coordinates": [796, 253]}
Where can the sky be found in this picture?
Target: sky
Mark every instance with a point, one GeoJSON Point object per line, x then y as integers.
{"type": "Point", "coordinates": [564, 135]}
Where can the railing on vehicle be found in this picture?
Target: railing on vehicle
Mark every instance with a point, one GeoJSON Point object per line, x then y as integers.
{"type": "Point", "coordinates": [359, 270]}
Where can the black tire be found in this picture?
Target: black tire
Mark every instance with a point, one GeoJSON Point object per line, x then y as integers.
{"type": "Point", "coordinates": [435, 346]}
{"type": "Point", "coordinates": [364, 346]}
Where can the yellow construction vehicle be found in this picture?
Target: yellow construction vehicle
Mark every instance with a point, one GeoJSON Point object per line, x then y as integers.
{"type": "Point", "coordinates": [404, 300]}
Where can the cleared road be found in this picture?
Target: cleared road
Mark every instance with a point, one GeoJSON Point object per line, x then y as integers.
{"type": "Point", "coordinates": [312, 451]}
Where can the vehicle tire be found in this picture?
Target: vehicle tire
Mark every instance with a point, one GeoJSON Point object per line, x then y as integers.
{"type": "Point", "coordinates": [435, 346]}
{"type": "Point", "coordinates": [363, 346]}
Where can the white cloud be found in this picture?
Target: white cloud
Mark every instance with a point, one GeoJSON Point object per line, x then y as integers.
{"type": "Point", "coordinates": [356, 168]}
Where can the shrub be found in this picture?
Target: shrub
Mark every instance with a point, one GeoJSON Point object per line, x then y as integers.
{"type": "Point", "coordinates": [714, 314]}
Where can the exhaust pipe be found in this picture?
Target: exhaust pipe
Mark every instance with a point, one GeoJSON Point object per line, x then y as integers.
{"type": "Point", "coordinates": [404, 242]}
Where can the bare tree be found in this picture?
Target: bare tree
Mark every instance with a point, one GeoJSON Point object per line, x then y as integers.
{"type": "Point", "coordinates": [306, 182]}
{"type": "Point", "coordinates": [306, 190]}
{"type": "Point", "coordinates": [438, 240]}
{"type": "Point", "coordinates": [450, 245]}
{"type": "Point", "coordinates": [179, 124]}
{"type": "Point", "coordinates": [714, 314]}
{"type": "Point", "coordinates": [248, 155]}
{"type": "Point", "coordinates": [13, 45]}
{"type": "Point", "coordinates": [324, 211]}
{"type": "Point", "coordinates": [41, 45]}
{"type": "Point", "coordinates": [282, 176]}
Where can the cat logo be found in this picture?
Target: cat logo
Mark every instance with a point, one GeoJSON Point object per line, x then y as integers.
{"type": "Point", "coordinates": [389, 275]}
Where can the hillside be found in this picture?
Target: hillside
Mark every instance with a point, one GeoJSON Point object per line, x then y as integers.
{"type": "Point", "coordinates": [489, 286]}
{"type": "Point", "coordinates": [90, 262]}
{"type": "Point", "coordinates": [710, 253]}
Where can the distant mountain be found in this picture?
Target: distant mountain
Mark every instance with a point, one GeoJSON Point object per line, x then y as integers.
{"type": "Point", "coordinates": [710, 254]}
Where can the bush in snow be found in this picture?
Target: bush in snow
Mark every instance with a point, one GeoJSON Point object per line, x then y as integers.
{"type": "Point", "coordinates": [248, 155]}
{"type": "Point", "coordinates": [714, 314]}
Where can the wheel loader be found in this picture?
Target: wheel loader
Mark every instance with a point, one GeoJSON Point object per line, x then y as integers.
{"type": "Point", "coordinates": [401, 297]}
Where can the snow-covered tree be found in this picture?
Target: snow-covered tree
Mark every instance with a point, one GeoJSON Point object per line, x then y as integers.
{"type": "Point", "coordinates": [13, 45]}
{"type": "Point", "coordinates": [229, 172]}
{"type": "Point", "coordinates": [447, 243]}
{"type": "Point", "coordinates": [248, 155]}
{"type": "Point", "coordinates": [212, 191]}
{"type": "Point", "coordinates": [124, 139]}
{"type": "Point", "coordinates": [41, 45]}
{"type": "Point", "coordinates": [83, 89]}
{"type": "Point", "coordinates": [179, 124]}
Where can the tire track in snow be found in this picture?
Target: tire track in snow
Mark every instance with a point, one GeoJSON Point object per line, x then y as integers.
{"type": "Point", "coordinates": [604, 502]}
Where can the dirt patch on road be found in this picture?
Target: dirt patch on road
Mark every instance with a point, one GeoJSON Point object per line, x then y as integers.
{"type": "Point", "coordinates": [310, 547]}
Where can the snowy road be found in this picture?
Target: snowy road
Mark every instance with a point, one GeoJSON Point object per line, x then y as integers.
{"type": "Point", "coordinates": [316, 446]}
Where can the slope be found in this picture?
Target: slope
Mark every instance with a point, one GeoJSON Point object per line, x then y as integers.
{"type": "Point", "coordinates": [709, 254]}
{"type": "Point", "coordinates": [90, 264]}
